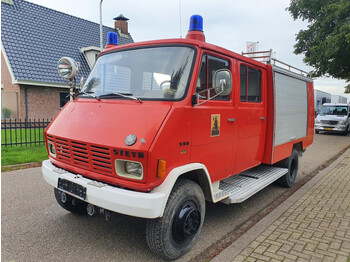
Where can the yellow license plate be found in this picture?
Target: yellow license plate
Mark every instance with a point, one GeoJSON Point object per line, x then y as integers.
{"type": "Point", "coordinates": [328, 128]}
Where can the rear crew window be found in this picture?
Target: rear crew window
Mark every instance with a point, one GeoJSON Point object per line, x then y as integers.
{"type": "Point", "coordinates": [250, 84]}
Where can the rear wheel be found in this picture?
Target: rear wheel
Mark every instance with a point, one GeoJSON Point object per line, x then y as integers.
{"type": "Point", "coordinates": [316, 131]}
{"type": "Point", "coordinates": [174, 234]}
{"type": "Point", "coordinates": [292, 163]}
{"type": "Point", "coordinates": [70, 203]}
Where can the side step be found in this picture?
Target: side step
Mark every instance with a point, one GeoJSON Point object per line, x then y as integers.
{"type": "Point", "coordinates": [242, 186]}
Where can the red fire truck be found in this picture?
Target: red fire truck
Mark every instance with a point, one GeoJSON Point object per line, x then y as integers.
{"type": "Point", "coordinates": [160, 127]}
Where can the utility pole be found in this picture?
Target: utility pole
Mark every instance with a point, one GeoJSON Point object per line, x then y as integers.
{"type": "Point", "coordinates": [101, 31]}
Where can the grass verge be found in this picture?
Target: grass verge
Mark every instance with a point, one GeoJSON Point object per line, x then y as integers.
{"type": "Point", "coordinates": [23, 135]}
{"type": "Point", "coordinates": [21, 155]}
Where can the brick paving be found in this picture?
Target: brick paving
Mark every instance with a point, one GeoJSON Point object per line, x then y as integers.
{"type": "Point", "coordinates": [315, 228]}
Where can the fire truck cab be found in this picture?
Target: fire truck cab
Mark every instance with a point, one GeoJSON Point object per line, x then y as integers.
{"type": "Point", "coordinates": [161, 126]}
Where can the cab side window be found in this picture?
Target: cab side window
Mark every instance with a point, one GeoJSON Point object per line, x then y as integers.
{"type": "Point", "coordinates": [214, 65]}
{"type": "Point", "coordinates": [202, 79]}
{"type": "Point", "coordinates": [250, 84]}
{"type": "Point", "coordinates": [210, 64]}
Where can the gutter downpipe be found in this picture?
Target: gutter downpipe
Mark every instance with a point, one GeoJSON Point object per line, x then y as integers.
{"type": "Point", "coordinates": [101, 36]}
{"type": "Point", "coordinates": [26, 101]}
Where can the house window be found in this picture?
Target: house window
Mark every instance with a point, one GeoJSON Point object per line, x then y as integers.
{"type": "Point", "coordinates": [64, 98]}
{"type": "Point", "coordinates": [250, 84]}
{"type": "Point", "coordinates": [209, 66]}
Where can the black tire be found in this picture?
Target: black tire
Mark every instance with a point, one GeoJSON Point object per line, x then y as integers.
{"type": "Point", "coordinates": [316, 131]}
{"type": "Point", "coordinates": [174, 234]}
{"type": "Point", "coordinates": [292, 163]}
{"type": "Point", "coordinates": [345, 133]}
{"type": "Point", "coordinates": [72, 204]}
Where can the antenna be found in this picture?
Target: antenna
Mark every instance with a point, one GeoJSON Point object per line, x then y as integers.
{"type": "Point", "coordinates": [180, 17]}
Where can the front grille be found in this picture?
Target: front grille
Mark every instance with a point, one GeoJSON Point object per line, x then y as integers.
{"type": "Point", "coordinates": [329, 122]}
{"type": "Point", "coordinates": [87, 156]}
{"type": "Point", "coordinates": [101, 159]}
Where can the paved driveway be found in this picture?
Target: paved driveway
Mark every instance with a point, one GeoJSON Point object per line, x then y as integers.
{"type": "Point", "coordinates": [35, 228]}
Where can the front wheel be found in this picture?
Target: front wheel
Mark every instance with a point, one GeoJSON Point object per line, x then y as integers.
{"type": "Point", "coordinates": [292, 163]}
{"type": "Point", "coordinates": [345, 133]}
{"type": "Point", "coordinates": [174, 234]}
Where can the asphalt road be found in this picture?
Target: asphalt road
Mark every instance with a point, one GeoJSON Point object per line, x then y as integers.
{"type": "Point", "coordinates": [35, 228]}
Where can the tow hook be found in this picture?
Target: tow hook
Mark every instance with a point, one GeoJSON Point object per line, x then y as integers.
{"type": "Point", "coordinates": [90, 209]}
{"type": "Point", "coordinates": [63, 197]}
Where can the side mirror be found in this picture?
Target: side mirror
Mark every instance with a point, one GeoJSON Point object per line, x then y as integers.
{"type": "Point", "coordinates": [223, 82]}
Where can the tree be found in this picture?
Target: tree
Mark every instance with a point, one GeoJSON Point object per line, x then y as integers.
{"type": "Point", "coordinates": [326, 41]}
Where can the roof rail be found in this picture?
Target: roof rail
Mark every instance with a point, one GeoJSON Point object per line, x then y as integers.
{"type": "Point", "coordinates": [266, 57]}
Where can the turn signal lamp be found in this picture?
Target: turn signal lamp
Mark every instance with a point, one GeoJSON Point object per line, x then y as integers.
{"type": "Point", "coordinates": [195, 31]}
{"type": "Point", "coordinates": [161, 172]}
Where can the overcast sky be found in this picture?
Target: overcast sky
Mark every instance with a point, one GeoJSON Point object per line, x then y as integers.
{"type": "Point", "coordinates": [229, 24]}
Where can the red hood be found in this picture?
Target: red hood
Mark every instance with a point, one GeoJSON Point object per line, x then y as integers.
{"type": "Point", "coordinates": [108, 123]}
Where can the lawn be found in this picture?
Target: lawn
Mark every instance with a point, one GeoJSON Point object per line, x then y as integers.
{"type": "Point", "coordinates": [20, 155]}
{"type": "Point", "coordinates": [33, 151]}
{"type": "Point", "coordinates": [21, 135]}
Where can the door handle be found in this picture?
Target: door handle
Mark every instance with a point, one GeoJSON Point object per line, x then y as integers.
{"type": "Point", "coordinates": [231, 119]}
{"type": "Point", "coordinates": [262, 118]}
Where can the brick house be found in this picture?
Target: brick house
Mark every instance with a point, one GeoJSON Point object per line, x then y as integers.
{"type": "Point", "coordinates": [33, 39]}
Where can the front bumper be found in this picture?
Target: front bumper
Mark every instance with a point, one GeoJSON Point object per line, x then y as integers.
{"type": "Point", "coordinates": [127, 202]}
{"type": "Point", "coordinates": [328, 128]}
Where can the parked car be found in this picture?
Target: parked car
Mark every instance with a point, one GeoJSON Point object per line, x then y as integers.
{"type": "Point", "coordinates": [333, 117]}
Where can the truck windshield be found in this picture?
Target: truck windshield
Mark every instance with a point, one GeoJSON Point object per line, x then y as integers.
{"type": "Point", "coordinates": [154, 73]}
{"type": "Point", "coordinates": [334, 110]}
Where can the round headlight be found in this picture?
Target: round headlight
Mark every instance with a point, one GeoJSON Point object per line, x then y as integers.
{"type": "Point", "coordinates": [133, 168]}
{"type": "Point", "coordinates": [67, 67]}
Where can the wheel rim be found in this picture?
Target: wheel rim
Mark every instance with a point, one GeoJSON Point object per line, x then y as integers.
{"type": "Point", "coordinates": [186, 222]}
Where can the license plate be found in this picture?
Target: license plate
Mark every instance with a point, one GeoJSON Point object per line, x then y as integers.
{"type": "Point", "coordinates": [328, 128]}
{"type": "Point", "coordinates": [72, 188]}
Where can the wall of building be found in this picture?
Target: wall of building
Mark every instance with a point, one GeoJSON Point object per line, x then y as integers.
{"type": "Point", "coordinates": [10, 94]}
{"type": "Point", "coordinates": [43, 102]}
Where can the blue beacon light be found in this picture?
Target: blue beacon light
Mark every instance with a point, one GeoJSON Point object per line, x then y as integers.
{"type": "Point", "coordinates": [112, 38]}
{"type": "Point", "coordinates": [196, 23]}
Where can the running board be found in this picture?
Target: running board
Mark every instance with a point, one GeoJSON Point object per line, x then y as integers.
{"type": "Point", "coordinates": [242, 186]}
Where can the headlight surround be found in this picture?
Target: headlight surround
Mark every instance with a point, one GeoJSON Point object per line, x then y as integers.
{"type": "Point", "coordinates": [129, 169]}
{"type": "Point", "coordinates": [317, 121]}
{"type": "Point", "coordinates": [343, 122]}
{"type": "Point", "coordinates": [52, 149]}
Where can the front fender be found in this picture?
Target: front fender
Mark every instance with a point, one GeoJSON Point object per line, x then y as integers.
{"type": "Point", "coordinates": [169, 182]}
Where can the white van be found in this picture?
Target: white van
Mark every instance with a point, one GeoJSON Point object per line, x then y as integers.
{"type": "Point", "coordinates": [333, 117]}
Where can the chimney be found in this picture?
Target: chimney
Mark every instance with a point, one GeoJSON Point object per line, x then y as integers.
{"type": "Point", "coordinates": [121, 23]}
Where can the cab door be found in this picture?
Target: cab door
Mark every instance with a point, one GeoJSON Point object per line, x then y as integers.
{"type": "Point", "coordinates": [251, 117]}
{"type": "Point", "coordinates": [213, 121]}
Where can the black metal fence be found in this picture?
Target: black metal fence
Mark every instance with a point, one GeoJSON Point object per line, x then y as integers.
{"type": "Point", "coordinates": [15, 132]}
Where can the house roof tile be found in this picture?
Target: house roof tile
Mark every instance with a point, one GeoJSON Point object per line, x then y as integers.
{"type": "Point", "coordinates": [35, 38]}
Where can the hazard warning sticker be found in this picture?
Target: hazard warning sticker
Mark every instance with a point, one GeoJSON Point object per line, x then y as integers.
{"type": "Point", "coordinates": [215, 125]}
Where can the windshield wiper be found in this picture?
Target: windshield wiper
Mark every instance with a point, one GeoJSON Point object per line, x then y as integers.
{"type": "Point", "coordinates": [121, 95]}
{"type": "Point", "coordinates": [89, 93]}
